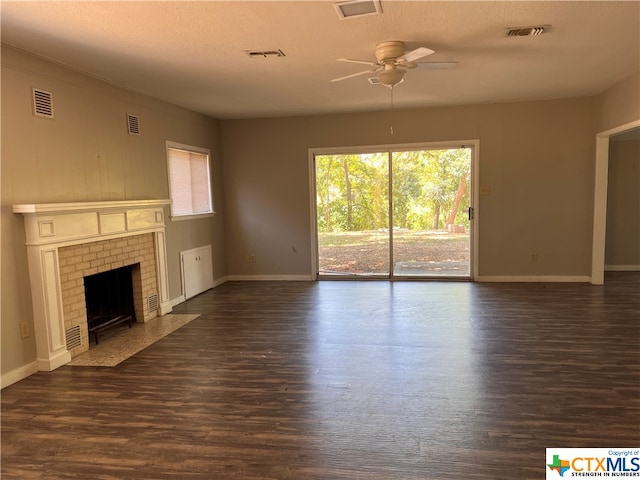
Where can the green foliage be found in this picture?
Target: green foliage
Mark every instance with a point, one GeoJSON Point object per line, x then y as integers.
{"type": "Point", "coordinates": [353, 190]}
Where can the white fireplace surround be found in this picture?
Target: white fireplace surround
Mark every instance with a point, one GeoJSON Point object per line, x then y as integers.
{"type": "Point", "coordinates": [51, 226]}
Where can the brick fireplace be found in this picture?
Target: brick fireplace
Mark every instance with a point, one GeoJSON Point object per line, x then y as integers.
{"type": "Point", "coordinates": [79, 261]}
{"type": "Point", "coordinates": [67, 242]}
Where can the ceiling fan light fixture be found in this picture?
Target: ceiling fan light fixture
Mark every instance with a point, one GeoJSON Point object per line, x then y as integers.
{"type": "Point", "coordinates": [391, 77]}
{"type": "Point", "coordinates": [376, 81]}
{"type": "Point", "coordinates": [357, 8]}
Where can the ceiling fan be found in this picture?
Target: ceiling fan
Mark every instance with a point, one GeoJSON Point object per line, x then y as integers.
{"type": "Point", "coordinates": [392, 60]}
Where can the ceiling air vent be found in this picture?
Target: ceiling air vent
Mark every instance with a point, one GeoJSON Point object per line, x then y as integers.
{"type": "Point", "coordinates": [133, 125]}
{"type": "Point", "coordinates": [526, 31]}
{"type": "Point", "coordinates": [42, 103]}
{"type": "Point", "coordinates": [358, 8]}
{"type": "Point", "coordinates": [264, 53]}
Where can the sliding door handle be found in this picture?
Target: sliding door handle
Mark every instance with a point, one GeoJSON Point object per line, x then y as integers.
{"type": "Point", "coordinates": [470, 213]}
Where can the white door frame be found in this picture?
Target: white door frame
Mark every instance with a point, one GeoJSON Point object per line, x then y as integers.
{"type": "Point", "coordinates": [475, 186]}
{"type": "Point", "coordinates": [600, 199]}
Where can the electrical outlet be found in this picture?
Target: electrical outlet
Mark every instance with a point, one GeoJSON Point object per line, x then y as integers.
{"type": "Point", "coordinates": [485, 190]}
{"type": "Point", "coordinates": [534, 257]}
{"type": "Point", "coordinates": [24, 329]}
{"type": "Point", "coordinates": [250, 258]}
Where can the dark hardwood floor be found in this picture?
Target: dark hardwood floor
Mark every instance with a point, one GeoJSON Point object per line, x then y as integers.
{"type": "Point", "coordinates": [346, 380]}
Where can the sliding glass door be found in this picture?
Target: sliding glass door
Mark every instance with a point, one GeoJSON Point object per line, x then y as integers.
{"type": "Point", "coordinates": [396, 213]}
{"type": "Point", "coordinates": [431, 204]}
{"type": "Point", "coordinates": [352, 207]}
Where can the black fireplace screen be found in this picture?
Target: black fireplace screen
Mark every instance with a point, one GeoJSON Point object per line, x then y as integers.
{"type": "Point", "coordinates": [109, 299]}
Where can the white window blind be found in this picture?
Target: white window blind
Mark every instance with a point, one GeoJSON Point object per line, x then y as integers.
{"type": "Point", "coordinates": [189, 180]}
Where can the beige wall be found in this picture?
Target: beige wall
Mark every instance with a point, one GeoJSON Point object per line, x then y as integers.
{"type": "Point", "coordinates": [537, 157]}
{"type": "Point", "coordinates": [85, 154]}
{"type": "Point", "coordinates": [619, 104]}
{"type": "Point", "coordinates": [622, 246]}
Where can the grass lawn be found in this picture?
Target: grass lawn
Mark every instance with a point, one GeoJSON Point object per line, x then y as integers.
{"type": "Point", "coordinates": [367, 252]}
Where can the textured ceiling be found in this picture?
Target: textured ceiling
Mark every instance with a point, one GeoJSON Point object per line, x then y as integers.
{"type": "Point", "coordinates": [193, 53]}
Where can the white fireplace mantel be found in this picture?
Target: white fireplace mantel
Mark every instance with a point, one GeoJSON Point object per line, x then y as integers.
{"type": "Point", "coordinates": [51, 226]}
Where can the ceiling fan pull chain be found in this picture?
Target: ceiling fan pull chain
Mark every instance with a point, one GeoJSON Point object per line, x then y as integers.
{"type": "Point", "coordinates": [391, 88]}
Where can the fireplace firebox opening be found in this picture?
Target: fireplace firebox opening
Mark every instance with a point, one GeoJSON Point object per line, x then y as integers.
{"type": "Point", "coordinates": [109, 298]}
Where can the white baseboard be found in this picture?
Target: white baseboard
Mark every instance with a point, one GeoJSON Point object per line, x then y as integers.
{"type": "Point", "coordinates": [165, 307]}
{"type": "Point", "coordinates": [535, 278]}
{"type": "Point", "coordinates": [181, 299]}
{"type": "Point", "coordinates": [622, 268]}
{"type": "Point", "coordinates": [271, 278]}
{"type": "Point", "coordinates": [220, 281]}
{"type": "Point", "coordinates": [18, 374]}
{"type": "Point", "coordinates": [177, 301]}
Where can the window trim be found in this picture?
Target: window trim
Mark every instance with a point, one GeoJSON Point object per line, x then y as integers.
{"type": "Point", "coordinates": [170, 145]}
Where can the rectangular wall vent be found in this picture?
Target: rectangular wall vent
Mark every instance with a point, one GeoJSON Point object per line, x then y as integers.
{"type": "Point", "coordinates": [264, 53]}
{"type": "Point", "coordinates": [73, 338]}
{"type": "Point", "coordinates": [133, 125]}
{"type": "Point", "coordinates": [42, 103]}
{"type": "Point", "coordinates": [152, 302]}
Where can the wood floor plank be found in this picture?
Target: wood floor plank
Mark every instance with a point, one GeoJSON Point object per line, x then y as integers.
{"type": "Point", "coordinates": [346, 380]}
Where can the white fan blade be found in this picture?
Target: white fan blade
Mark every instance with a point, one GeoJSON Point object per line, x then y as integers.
{"type": "Point", "coordinates": [373, 70]}
{"type": "Point", "coordinates": [414, 55]}
{"type": "Point", "coordinates": [362, 62]}
{"type": "Point", "coordinates": [437, 65]}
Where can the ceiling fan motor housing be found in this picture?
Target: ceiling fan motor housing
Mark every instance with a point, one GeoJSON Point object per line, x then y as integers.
{"type": "Point", "coordinates": [387, 52]}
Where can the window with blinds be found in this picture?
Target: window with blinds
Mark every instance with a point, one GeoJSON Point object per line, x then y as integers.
{"type": "Point", "coordinates": [189, 180]}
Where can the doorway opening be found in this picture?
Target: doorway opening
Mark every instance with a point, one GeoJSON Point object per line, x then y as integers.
{"type": "Point", "coordinates": [600, 199]}
{"type": "Point", "coordinates": [394, 212]}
